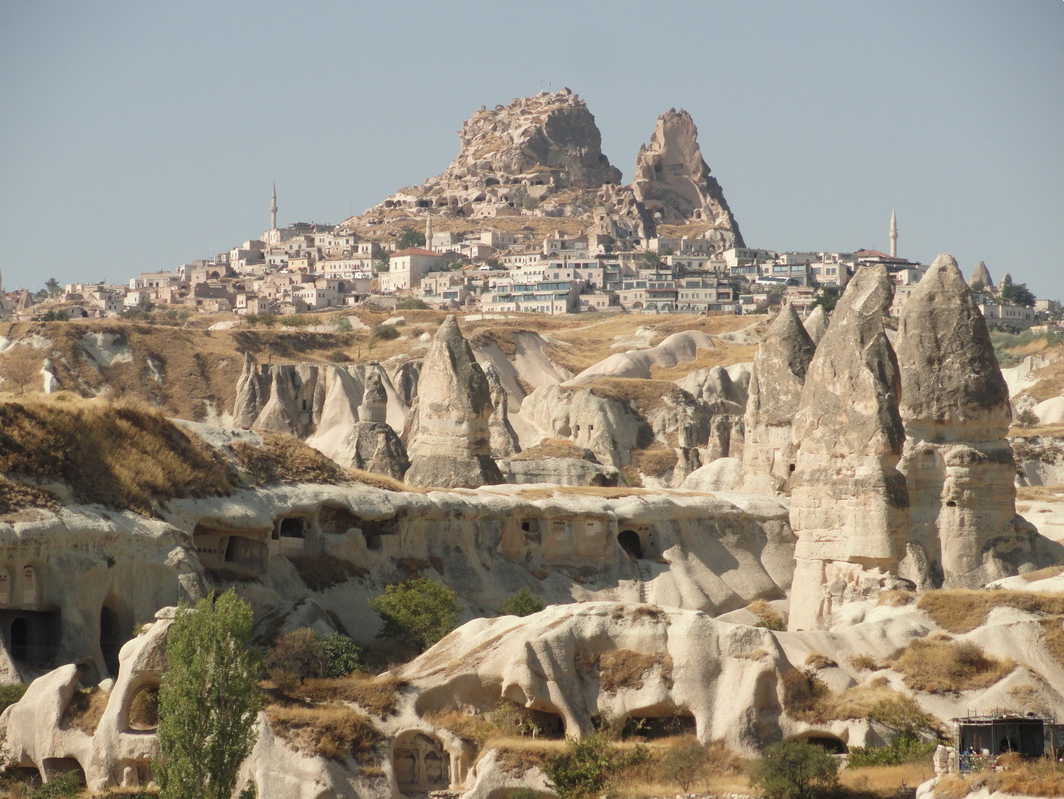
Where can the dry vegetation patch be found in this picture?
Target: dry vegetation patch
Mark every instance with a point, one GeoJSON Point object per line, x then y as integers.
{"type": "Point", "coordinates": [84, 711]}
{"type": "Point", "coordinates": [961, 611]}
{"type": "Point", "coordinates": [1013, 775]}
{"type": "Point", "coordinates": [937, 666]}
{"type": "Point", "coordinates": [332, 731]}
{"type": "Point", "coordinates": [554, 448]}
{"type": "Point", "coordinates": [283, 459]}
{"type": "Point", "coordinates": [643, 396]}
{"type": "Point", "coordinates": [623, 669]}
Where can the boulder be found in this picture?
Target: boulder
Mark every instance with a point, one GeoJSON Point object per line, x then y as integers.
{"type": "Point", "coordinates": [958, 464]}
{"type": "Point", "coordinates": [849, 503]}
{"type": "Point", "coordinates": [452, 445]}
{"type": "Point", "coordinates": [775, 390]}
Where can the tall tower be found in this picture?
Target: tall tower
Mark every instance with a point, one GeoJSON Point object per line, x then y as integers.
{"type": "Point", "coordinates": [428, 231]}
{"type": "Point", "coordinates": [893, 234]}
{"type": "Point", "coordinates": [273, 209]}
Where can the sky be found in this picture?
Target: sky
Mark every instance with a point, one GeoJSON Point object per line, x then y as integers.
{"type": "Point", "coordinates": [139, 136]}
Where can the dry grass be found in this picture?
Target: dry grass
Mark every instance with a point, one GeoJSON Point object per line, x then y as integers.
{"type": "Point", "coordinates": [332, 731]}
{"type": "Point", "coordinates": [604, 492]}
{"type": "Point", "coordinates": [767, 615]}
{"type": "Point", "coordinates": [623, 669]}
{"type": "Point", "coordinates": [807, 698]}
{"type": "Point", "coordinates": [722, 355]}
{"type": "Point", "coordinates": [283, 459]}
{"type": "Point", "coordinates": [643, 396]}
{"type": "Point", "coordinates": [896, 599]}
{"type": "Point", "coordinates": [940, 666]}
{"type": "Point", "coordinates": [378, 696]}
{"type": "Point", "coordinates": [85, 710]}
{"type": "Point", "coordinates": [864, 662]}
{"type": "Point", "coordinates": [885, 782]}
{"type": "Point", "coordinates": [1043, 574]}
{"type": "Point", "coordinates": [961, 611]}
{"type": "Point", "coordinates": [467, 726]}
{"type": "Point", "coordinates": [1053, 635]}
{"type": "Point", "coordinates": [113, 455]}
{"type": "Point", "coordinates": [553, 448]}
{"type": "Point", "coordinates": [1040, 777]}
{"type": "Point", "coordinates": [655, 462]}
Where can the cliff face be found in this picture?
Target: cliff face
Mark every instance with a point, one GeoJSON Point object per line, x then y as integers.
{"type": "Point", "coordinates": [672, 181]}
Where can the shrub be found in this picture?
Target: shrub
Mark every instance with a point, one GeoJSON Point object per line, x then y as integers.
{"type": "Point", "coordinates": [1027, 418]}
{"type": "Point", "coordinates": [586, 766]}
{"type": "Point", "coordinates": [520, 603]}
{"type": "Point", "coordinates": [296, 656]}
{"type": "Point", "coordinates": [795, 770]}
{"type": "Point", "coordinates": [413, 304]}
{"type": "Point", "coordinates": [63, 786]}
{"type": "Point", "coordinates": [684, 762]}
{"type": "Point", "coordinates": [385, 332]}
{"type": "Point", "coordinates": [340, 655]}
{"type": "Point", "coordinates": [10, 694]}
{"type": "Point", "coordinates": [417, 610]}
{"type": "Point", "coordinates": [331, 731]}
{"type": "Point", "coordinates": [905, 748]}
{"type": "Point", "coordinates": [339, 356]}
{"type": "Point", "coordinates": [767, 615]}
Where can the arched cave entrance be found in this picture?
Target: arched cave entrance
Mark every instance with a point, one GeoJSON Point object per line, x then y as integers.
{"type": "Point", "coordinates": [144, 708]}
{"type": "Point", "coordinates": [651, 727]}
{"type": "Point", "coordinates": [21, 640]}
{"type": "Point", "coordinates": [826, 741]}
{"type": "Point", "coordinates": [420, 763]}
{"type": "Point", "coordinates": [630, 543]}
{"type": "Point", "coordinates": [110, 639]}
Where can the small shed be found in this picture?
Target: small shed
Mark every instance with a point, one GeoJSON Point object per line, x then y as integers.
{"type": "Point", "coordinates": [979, 737]}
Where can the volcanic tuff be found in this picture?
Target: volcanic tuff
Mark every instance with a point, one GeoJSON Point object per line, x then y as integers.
{"type": "Point", "coordinates": [542, 156]}
{"type": "Point", "coordinates": [672, 181]}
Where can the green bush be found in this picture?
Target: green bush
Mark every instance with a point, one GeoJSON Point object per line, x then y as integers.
{"type": "Point", "coordinates": [903, 749]}
{"type": "Point", "coordinates": [10, 694]}
{"type": "Point", "coordinates": [413, 304]}
{"type": "Point", "coordinates": [417, 610]}
{"type": "Point", "coordinates": [340, 654]}
{"type": "Point", "coordinates": [385, 332]}
{"type": "Point", "coordinates": [520, 603]}
{"type": "Point", "coordinates": [795, 770]}
{"type": "Point", "coordinates": [586, 766]}
{"type": "Point", "coordinates": [63, 786]}
{"type": "Point", "coordinates": [295, 657]}
{"type": "Point", "coordinates": [685, 762]}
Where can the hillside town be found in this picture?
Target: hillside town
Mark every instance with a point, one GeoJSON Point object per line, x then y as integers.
{"type": "Point", "coordinates": [307, 267]}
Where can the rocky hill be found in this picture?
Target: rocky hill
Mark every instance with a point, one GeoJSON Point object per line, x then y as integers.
{"type": "Point", "coordinates": [540, 158]}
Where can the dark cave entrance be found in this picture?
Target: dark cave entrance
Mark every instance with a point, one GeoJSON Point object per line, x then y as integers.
{"type": "Point", "coordinates": [630, 543]}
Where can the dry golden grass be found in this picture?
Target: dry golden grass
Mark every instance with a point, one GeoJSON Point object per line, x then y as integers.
{"type": "Point", "coordinates": [807, 698]}
{"type": "Point", "coordinates": [886, 782]}
{"type": "Point", "coordinates": [376, 695]}
{"type": "Point", "coordinates": [961, 611]}
{"type": "Point", "coordinates": [896, 599]}
{"type": "Point", "coordinates": [643, 396]}
{"type": "Point", "coordinates": [767, 616]}
{"type": "Point", "coordinates": [940, 666]}
{"type": "Point", "coordinates": [1043, 574]}
{"type": "Point", "coordinates": [467, 726]}
{"type": "Point", "coordinates": [655, 462]}
{"type": "Point", "coordinates": [605, 492]}
{"type": "Point", "coordinates": [85, 710]}
{"type": "Point", "coordinates": [1040, 777]}
{"type": "Point", "coordinates": [332, 731]}
{"type": "Point", "coordinates": [283, 459]}
{"type": "Point", "coordinates": [552, 448]}
{"type": "Point", "coordinates": [1040, 494]}
{"type": "Point", "coordinates": [723, 355]}
{"type": "Point", "coordinates": [114, 455]}
{"type": "Point", "coordinates": [623, 669]}
{"type": "Point", "coordinates": [1053, 635]}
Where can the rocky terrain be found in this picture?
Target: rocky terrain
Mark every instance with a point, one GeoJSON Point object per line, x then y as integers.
{"type": "Point", "coordinates": [539, 159]}
{"type": "Point", "coordinates": [742, 530]}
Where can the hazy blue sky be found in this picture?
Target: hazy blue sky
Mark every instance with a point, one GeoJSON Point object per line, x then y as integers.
{"type": "Point", "coordinates": [136, 136]}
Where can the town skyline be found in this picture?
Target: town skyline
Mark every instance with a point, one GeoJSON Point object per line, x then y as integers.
{"type": "Point", "coordinates": [150, 139]}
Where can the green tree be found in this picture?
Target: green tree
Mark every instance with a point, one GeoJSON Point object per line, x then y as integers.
{"type": "Point", "coordinates": [51, 285]}
{"type": "Point", "coordinates": [795, 770]}
{"type": "Point", "coordinates": [685, 762]}
{"type": "Point", "coordinates": [342, 655]}
{"type": "Point", "coordinates": [1018, 294]}
{"type": "Point", "coordinates": [295, 657]}
{"type": "Point", "coordinates": [417, 610]}
{"type": "Point", "coordinates": [587, 766]}
{"type": "Point", "coordinates": [209, 700]}
{"type": "Point", "coordinates": [410, 237]}
{"type": "Point", "coordinates": [520, 603]}
{"type": "Point", "coordinates": [827, 298]}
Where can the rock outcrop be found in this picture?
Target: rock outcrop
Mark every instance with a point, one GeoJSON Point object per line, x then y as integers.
{"type": "Point", "coordinates": [503, 438]}
{"type": "Point", "coordinates": [816, 324]}
{"type": "Point", "coordinates": [958, 465]}
{"type": "Point", "coordinates": [849, 503]}
{"type": "Point", "coordinates": [673, 182]}
{"type": "Point", "coordinates": [452, 445]}
{"type": "Point", "coordinates": [981, 277]}
{"type": "Point", "coordinates": [776, 383]}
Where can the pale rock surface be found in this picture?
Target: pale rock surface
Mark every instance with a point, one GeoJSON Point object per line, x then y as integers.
{"type": "Point", "coordinates": [981, 275]}
{"type": "Point", "coordinates": [958, 465]}
{"type": "Point", "coordinates": [849, 503]}
{"type": "Point", "coordinates": [571, 466]}
{"type": "Point", "coordinates": [776, 383]}
{"type": "Point", "coordinates": [503, 438]}
{"type": "Point", "coordinates": [723, 474]}
{"type": "Point", "coordinates": [452, 446]}
{"type": "Point", "coordinates": [816, 324]}
{"type": "Point", "coordinates": [676, 349]}
{"type": "Point", "coordinates": [51, 382]}
{"type": "Point", "coordinates": [673, 181]}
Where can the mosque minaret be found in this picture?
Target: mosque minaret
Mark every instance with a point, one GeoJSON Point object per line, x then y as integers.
{"type": "Point", "coordinates": [893, 234]}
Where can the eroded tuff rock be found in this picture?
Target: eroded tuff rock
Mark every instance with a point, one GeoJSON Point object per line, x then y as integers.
{"type": "Point", "coordinates": [959, 467]}
{"type": "Point", "coordinates": [533, 147]}
{"type": "Point", "coordinates": [452, 445]}
{"type": "Point", "coordinates": [776, 383]}
{"type": "Point", "coordinates": [981, 276]}
{"type": "Point", "coordinates": [503, 437]}
{"type": "Point", "coordinates": [673, 181]}
{"type": "Point", "coordinates": [816, 324]}
{"type": "Point", "coordinates": [849, 503]}
{"type": "Point", "coordinates": [558, 462]}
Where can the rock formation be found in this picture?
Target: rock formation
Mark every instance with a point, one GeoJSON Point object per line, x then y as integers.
{"type": "Point", "coordinates": [503, 438]}
{"type": "Point", "coordinates": [981, 276]}
{"type": "Point", "coordinates": [374, 407]}
{"type": "Point", "coordinates": [849, 504]}
{"type": "Point", "coordinates": [452, 445]}
{"type": "Point", "coordinates": [673, 182]}
{"type": "Point", "coordinates": [959, 467]}
{"type": "Point", "coordinates": [816, 324]}
{"type": "Point", "coordinates": [368, 443]}
{"type": "Point", "coordinates": [251, 394]}
{"type": "Point", "coordinates": [776, 383]}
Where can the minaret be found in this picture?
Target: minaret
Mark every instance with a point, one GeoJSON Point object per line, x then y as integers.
{"type": "Point", "coordinates": [893, 234]}
{"type": "Point", "coordinates": [273, 209]}
{"type": "Point", "coordinates": [428, 231]}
